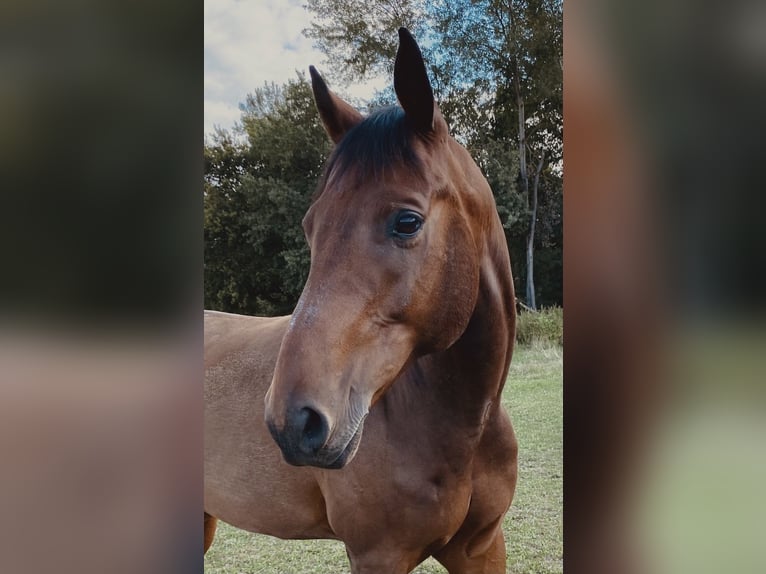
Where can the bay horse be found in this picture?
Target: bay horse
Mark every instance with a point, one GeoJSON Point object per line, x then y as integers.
{"type": "Point", "coordinates": [373, 414]}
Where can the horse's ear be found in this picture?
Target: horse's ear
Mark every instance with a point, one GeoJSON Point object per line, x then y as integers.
{"type": "Point", "coordinates": [337, 116]}
{"type": "Point", "coordinates": [411, 84]}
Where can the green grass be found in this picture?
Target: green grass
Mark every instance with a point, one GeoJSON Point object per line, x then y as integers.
{"type": "Point", "coordinates": [533, 527]}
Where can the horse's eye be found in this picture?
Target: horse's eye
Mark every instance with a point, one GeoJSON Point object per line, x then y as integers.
{"type": "Point", "coordinates": [406, 224]}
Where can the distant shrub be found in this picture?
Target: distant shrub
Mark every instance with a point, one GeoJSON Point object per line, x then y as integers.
{"type": "Point", "coordinates": [543, 326]}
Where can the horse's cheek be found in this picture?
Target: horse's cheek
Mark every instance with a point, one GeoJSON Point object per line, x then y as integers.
{"type": "Point", "coordinates": [458, 284]}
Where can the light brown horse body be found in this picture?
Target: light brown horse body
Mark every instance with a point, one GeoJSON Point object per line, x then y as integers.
{"type": "Point", "coordinates": [383, 389]}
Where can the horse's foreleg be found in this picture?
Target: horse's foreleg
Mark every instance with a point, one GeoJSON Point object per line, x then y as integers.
{"type": "Point", "coordinates": [210, 524]}
{"type": "Point", "coordinates": [482, 553]}
{"type": "Point", "coordinates": [379, 561]}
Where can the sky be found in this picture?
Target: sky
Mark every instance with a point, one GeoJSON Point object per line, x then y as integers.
{"type": "Point", "coordinates": [249, 43]}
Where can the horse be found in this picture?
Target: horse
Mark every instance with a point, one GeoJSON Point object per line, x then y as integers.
{"type": "Point", "coordinates": [372, 414]}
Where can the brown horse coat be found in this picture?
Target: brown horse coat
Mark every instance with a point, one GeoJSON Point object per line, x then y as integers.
{"type": "Point", "coordinates": [383, 389]}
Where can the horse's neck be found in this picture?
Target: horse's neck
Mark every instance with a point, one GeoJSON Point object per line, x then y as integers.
{"type": "Point", "coordinates": [468, 377]}
{"type": "Point", "coordinates": [480, 358]}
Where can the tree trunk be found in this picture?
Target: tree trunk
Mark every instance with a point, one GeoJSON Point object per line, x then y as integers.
{"type": "Point", "coordinates": [523, 172]}
{"type": "Point", "coordinates": [524, 177]}
{"type": "Point", "coordinates": [530, 291]}
{"type": "Point", "coordinates": [522, 143]}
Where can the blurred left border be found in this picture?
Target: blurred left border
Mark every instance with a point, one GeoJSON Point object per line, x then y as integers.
{"type": "Point", "coordinates": [101, 108]}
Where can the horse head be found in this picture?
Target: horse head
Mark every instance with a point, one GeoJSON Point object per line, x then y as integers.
{"type": "Point", "coordinates": [397, 233]}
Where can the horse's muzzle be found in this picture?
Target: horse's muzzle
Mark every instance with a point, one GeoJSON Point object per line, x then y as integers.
{"type": "Point", "coordinates": [303, 440]}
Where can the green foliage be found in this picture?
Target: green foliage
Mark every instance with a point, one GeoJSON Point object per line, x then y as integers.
{"type": "Point", "coordinates": [545, 326]}
{"type": "Point", "coordinates": [499, 162]}
{"type": "Point", "coordinates": [256, 193]}
{"type": "Point", "coordinates": [356, 35]}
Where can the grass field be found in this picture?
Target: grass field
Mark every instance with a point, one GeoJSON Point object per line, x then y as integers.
{"type": "Point", "coordinates": [533, 527]}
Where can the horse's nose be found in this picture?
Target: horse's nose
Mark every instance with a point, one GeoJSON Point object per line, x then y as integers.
{"type": "Point", "coordinates": [312, 430]}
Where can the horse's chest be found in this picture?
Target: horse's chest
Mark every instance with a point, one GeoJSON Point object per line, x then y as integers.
{"type": "Point", "coordinates": [407, 477]}
{"type": "Point", "coordinates": [427, 487]}
{"type": "Point", "coordinates": [419, 502]}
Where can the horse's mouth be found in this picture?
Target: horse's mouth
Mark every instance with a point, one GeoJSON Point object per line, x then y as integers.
{"type": "Point", "coordinates": [349, 451]}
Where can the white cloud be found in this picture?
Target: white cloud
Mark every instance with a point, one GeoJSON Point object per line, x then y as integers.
{"type": "Point", "coordinates": [250, 42]}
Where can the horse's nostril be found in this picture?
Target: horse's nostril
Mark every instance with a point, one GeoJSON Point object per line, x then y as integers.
{"type": "Point", "coordinates": [314, 431]}
{"type": "Point", "coordinates": [313, 426]}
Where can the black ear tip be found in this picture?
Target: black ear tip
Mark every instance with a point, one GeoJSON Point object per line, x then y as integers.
{"type": "Point", "coordinates": [407, 43]}
{"type": "Point", "coordinates": [316, 80]}
{"type": "Point", "coordinates": [405, 36]}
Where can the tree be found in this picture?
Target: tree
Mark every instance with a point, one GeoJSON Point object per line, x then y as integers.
{"type": "Point", "coordinates": [517, 46]}
{"type": "Point", "coordinates": [256, 193]}
{"type": "Point", "coordinates": [356, 34]}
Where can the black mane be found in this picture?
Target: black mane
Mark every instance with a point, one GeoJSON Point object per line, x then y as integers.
{"type": "Point", "coordinates": [381, 141]}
